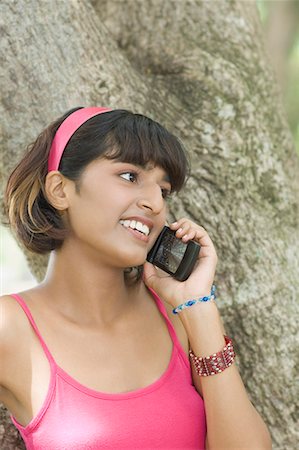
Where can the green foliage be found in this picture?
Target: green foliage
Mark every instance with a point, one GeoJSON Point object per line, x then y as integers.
{"type": "Point", "coordinates": [292, 92]}
{"type": "Point", "coordinates": [291, 96]}
{"type": "Point", "coordinates": [263, 9]}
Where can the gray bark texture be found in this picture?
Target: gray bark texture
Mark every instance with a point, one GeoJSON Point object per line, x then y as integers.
{"type": "Point", "coordinates": [199, 68]}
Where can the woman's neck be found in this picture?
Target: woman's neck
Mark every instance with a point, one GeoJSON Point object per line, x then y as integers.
{"type": "Point", "coordinates": [82, 289]}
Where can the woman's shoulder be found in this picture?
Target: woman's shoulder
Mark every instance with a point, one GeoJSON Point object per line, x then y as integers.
{"type": "Point", "coordinates": [10, 317]}
{"type": "Point", "coordinates": [11, 309]}
{"type": "Point", "coordinates": [15, 344]}
{"type": "Point", "coordinates": [11, 320]}
{"type": "Point", "coordinates": [14, 327]}
{"type": "Point", "coordinates": [8, 337]}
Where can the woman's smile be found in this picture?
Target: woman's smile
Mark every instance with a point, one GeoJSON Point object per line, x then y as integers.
{"type": "Point", "coordinates": [136, 233]}
{"type": "Point", "coordinates": [139, 227]}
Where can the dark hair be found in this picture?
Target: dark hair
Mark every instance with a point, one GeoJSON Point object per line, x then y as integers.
{"type": "Point", "coordinates": [117, 134]}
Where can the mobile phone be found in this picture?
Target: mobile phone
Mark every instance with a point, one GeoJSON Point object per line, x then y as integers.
{"type": "Point", "coordinates": [172, 255]}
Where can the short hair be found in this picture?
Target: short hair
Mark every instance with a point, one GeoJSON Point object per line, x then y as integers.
{"type": "Point", "coordinates": [117, 134]}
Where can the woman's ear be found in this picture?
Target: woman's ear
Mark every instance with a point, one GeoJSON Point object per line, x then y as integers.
{"type": "Point", "coordinates": [56, 190]}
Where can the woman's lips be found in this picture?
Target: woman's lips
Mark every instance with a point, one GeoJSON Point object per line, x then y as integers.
{"type": "Point", "coordinates": [137, 234]}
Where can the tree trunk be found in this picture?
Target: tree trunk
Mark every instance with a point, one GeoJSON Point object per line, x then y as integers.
{"type": "Point", "coordinates": [198, 67]}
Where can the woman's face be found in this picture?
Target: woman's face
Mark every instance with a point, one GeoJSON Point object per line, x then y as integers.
{"type": "Point", "coordinates": [112, 195]}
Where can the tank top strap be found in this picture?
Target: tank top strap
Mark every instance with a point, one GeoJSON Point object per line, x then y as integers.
{"type": "Point", "coordinates": [26, 310]}
{"type": "Point", "coordinates": [171, 328]}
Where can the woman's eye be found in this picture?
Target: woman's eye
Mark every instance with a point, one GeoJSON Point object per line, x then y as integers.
{"type": "Point", "coordinates": [133, 176]}
{"type": "Point", "coordinates": [130, 176]}
{"type": "Point", "coordinates": [165, 193]}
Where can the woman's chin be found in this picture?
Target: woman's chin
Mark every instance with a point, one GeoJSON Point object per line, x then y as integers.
{"type": "Point", "coordinates": [134, 261]}
{"type": "Point", "coordinates": [133, 264]}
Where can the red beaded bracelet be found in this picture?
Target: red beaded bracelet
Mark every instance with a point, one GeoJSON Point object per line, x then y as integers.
{"type": "Point", "coordinates": [216, 363]}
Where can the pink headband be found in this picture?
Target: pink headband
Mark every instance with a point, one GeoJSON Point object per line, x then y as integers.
{"type": "Point", "coordinates": [66, 131]}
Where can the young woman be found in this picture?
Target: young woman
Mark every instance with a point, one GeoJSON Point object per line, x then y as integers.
{"type": "Point", "coordinates": [102, 354]}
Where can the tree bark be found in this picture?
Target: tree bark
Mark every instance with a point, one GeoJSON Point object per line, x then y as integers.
{"type": "Point", "coordinates": [200, 68]}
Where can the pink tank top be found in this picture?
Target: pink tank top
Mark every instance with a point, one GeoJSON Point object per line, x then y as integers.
{"type": "Point", "coordinates": [167, 414]}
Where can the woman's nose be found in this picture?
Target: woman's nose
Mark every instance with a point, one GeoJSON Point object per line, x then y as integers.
{"type": "Point", "coordinates": [152, 199]}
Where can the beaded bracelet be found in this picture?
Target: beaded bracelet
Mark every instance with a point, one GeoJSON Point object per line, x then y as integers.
{"type": "Point", "coordinates": [188, 303]}
{"type": "Point", "coordinates": [215, 363]}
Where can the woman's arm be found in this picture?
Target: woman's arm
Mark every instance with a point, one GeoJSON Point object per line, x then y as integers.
{"type": "Point", "coordinates": [232, 421]}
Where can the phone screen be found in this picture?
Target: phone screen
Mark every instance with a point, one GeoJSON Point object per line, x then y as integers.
{"type": "Point", "coordinates": [170, 252]}
{"type": "Point", "coordinates": [172, 255]}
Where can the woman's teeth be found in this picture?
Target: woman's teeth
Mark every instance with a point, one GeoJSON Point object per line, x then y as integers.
{"type": "Point", "coordinates": [135, 225]}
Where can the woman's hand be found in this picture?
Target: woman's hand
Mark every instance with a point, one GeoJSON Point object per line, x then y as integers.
{"type": "Point", "coordinates": [201, 279]}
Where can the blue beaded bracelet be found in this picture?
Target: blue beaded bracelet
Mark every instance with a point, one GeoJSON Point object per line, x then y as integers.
{"type": "Point", "coordinates": [188, 303]}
